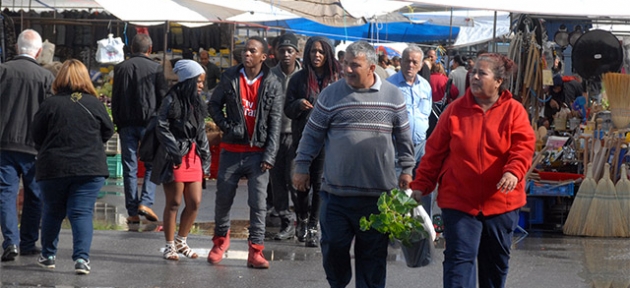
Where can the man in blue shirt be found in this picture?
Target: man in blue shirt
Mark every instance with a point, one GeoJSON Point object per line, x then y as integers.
{"type": "Point", "coordinates": [417, 92]}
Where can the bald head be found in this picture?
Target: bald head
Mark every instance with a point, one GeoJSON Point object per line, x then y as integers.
{"type": "Point", "coordinates": [29, 42]}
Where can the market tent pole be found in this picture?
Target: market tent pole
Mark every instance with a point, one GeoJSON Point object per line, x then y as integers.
{"type": "Point", "coordinates": [494, 33]}
{"type": "Point", "coordinates": [231, 45]}
{"type": "Point", "coordinates": [166, 28]}
{"type": "Point", "coordinates": [450, 32]}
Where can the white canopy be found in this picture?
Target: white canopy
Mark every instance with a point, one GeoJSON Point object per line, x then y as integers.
{"type": "Point", "coordinates": [187, 12]}
{"type": "Point", "coordinates": [39, 5]}
{"type": "Point", "coordinates": [599, 8]}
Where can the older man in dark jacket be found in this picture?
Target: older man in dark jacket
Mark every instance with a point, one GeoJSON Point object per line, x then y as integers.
{"type": "Point", "coordinates": [247, 107]}
{"type": "Point", "coordinates": [23, 86]}
{"type": "Point", "coordinates": [138, 89]}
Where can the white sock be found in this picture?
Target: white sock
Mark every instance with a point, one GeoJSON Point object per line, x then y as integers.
{"type": "Point", "coordinates": [170, 243]}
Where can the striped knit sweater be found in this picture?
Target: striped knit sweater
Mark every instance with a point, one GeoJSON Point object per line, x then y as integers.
{"type": "Point", "coordinates": [360, 131]}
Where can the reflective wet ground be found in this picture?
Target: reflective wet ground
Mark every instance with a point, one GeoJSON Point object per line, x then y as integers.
{"type": "Point", "coordinates": [133, 259]}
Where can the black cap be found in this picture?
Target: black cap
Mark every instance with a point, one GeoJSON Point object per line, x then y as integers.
{"type": "Point", "coordinates": [288, 39]}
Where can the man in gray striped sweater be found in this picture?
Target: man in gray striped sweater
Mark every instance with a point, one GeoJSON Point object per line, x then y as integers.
{"type": "Point", "coordinates": [361, 123]}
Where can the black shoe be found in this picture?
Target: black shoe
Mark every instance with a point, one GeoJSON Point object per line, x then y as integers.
{"type": "Point", "coordinates": [286, 233]}
{"type": "Point", "coordinates": [10, 253]}
{"type": "Point", "coordinates": [82, 267]}
{"type": "Point", "coordinates": [312, 237]}
{"type": "Point", "coordinates": [300, 232]}
{"type": "Point", "coordinates": [46, 262]}
{"type": "Point", "coordinates": [34, 251]}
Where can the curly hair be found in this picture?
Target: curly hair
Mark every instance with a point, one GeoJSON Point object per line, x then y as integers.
{"type": "Point", "coordinates": [331, 66]}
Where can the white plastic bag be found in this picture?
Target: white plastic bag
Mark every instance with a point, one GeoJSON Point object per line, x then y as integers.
{"type": "Point", "coordinates": [427, 224]}
{"type": "Point", "coordinates": [48, 52]}
{"type": "Point", "coordinates": [110, 50]}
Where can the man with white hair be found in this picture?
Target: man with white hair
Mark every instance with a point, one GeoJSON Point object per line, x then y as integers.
{"type": "Point", "coordinates": [24, 86]}
{"type": "Point", "coordinates": [417, 93]}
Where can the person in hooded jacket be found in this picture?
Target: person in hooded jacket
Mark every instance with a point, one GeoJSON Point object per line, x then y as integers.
{"type": "Point", "coordinates": [183, 157]}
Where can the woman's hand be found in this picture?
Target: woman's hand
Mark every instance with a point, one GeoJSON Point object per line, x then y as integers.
{"type": "Point", "coordinates": [417, 195]}
{"type": "Point", "coordinates": [305, 105]}
{"type": "Point", "coordinates": [507, 183]}
{"type": "Point", "coordinates": [265, 166]}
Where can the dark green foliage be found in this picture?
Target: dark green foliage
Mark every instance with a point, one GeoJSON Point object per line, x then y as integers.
{"type": "Point", "coordinates": [396, 219]}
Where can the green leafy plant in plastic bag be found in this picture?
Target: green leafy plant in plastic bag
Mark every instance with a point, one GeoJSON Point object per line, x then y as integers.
{"type": "Point", "coordinates": [396, 218]}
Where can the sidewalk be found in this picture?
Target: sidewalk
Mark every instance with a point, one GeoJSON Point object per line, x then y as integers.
{"type": "Point", "coordinates": [134, 259]}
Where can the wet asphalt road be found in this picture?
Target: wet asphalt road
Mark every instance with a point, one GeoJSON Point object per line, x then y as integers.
{"type": "Point", "coordinates": [133, 259]}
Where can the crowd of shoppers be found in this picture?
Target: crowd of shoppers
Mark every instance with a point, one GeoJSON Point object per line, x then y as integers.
{"type": "Point", "coordinates": [317, 131]}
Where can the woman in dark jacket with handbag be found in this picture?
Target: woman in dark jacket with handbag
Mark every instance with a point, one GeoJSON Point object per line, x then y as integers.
{"type": "Point", "coordinates": [69, 130]}
{"type": "Point", "coordinates": [320, 70]}
{"type": "Point", "coordinates": [183, 156]}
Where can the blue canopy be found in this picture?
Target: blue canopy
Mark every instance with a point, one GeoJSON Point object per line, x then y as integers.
{"type": "Point", "coordinates": [391, 32]}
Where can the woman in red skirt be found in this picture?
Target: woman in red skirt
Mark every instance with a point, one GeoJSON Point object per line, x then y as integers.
{"type": "Point", "coordinates": [183, 156]}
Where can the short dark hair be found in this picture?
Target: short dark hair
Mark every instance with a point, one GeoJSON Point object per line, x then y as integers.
{"type": "Point", "coordinates": [141, 43]}
{"type": "Point", "coordinates": [262, 41]}
{"type": "Point", "coordinates": [341, 54]}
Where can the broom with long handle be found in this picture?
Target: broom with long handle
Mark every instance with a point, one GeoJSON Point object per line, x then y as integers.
{"type": "Point", "coordinates": [574, 224]}
{"type": "Point", "coordinates": [604, 218]}
{"type": "Point", "coordinates": [623, 194]}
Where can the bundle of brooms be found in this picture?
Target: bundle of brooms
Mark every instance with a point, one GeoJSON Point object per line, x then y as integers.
{"type": "Point", "coordinates": [618, 92]}
{"type": "Point", "coordinates": [623, 194]}
{"type": "Point", "coordinates": [576, 219]}
{"type": "Point", "coordinates": [604, 218]}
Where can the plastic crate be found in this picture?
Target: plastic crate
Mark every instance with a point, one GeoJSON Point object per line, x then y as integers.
{"type": "Point", "coordinates": [112, 147]}
{"type": "Point", "coordinates": [536, 210]}
{"type": "Point", "coordinates": [114, 165]}
{"type": "Point", "coordinates": [548, 189]}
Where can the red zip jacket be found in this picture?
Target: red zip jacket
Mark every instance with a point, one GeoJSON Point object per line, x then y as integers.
{"type": "Point", "coordinates": [470, 150]}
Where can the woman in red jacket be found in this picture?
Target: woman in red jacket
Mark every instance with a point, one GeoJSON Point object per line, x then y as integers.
{"type": "Point", "coordinates": [479, 154]}
{"type": "Point", "coordinates": [438, 84]}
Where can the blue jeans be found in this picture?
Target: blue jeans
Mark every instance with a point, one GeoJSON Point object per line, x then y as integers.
{"type": "Point", "coordinates": [73, 197]}
{"type": "Point", "coordinates": [232, 167]}
{"type": "Point", "coordinates": [129, 141]}
{"type": "Point", "coordinates": [339, 221]}
{"type": "Point", "coordinates": [12, 166]}
{"type": "Point", "coordinates": [485, 240]}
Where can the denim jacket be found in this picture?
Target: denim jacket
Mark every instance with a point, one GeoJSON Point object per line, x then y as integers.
{"type": "Point", "coordinates": [418, 99]}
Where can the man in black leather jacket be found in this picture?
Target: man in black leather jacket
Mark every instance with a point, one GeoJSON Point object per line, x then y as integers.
{"type": "Point", "coordinates": [247, 106]}
{"type": "Point", "coordinates": [137, 92]}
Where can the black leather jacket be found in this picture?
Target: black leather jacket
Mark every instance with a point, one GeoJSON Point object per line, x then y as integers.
{"type": "Point", "coordinates": [176, 136]}
{"type": "Point", "coordinates": [296, 92]}
{"type": "Point", "coordinates": [231, 120]}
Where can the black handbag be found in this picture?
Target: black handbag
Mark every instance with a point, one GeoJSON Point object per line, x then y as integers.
{"type": "Point", "coordinates": [149, 143]}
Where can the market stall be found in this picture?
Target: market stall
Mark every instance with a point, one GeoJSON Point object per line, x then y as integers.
{"type": "Point", "coordinates": [581, 126]}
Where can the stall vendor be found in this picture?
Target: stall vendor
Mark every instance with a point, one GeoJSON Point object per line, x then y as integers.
{"type": "Point", "coordinates": [562, 95]}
